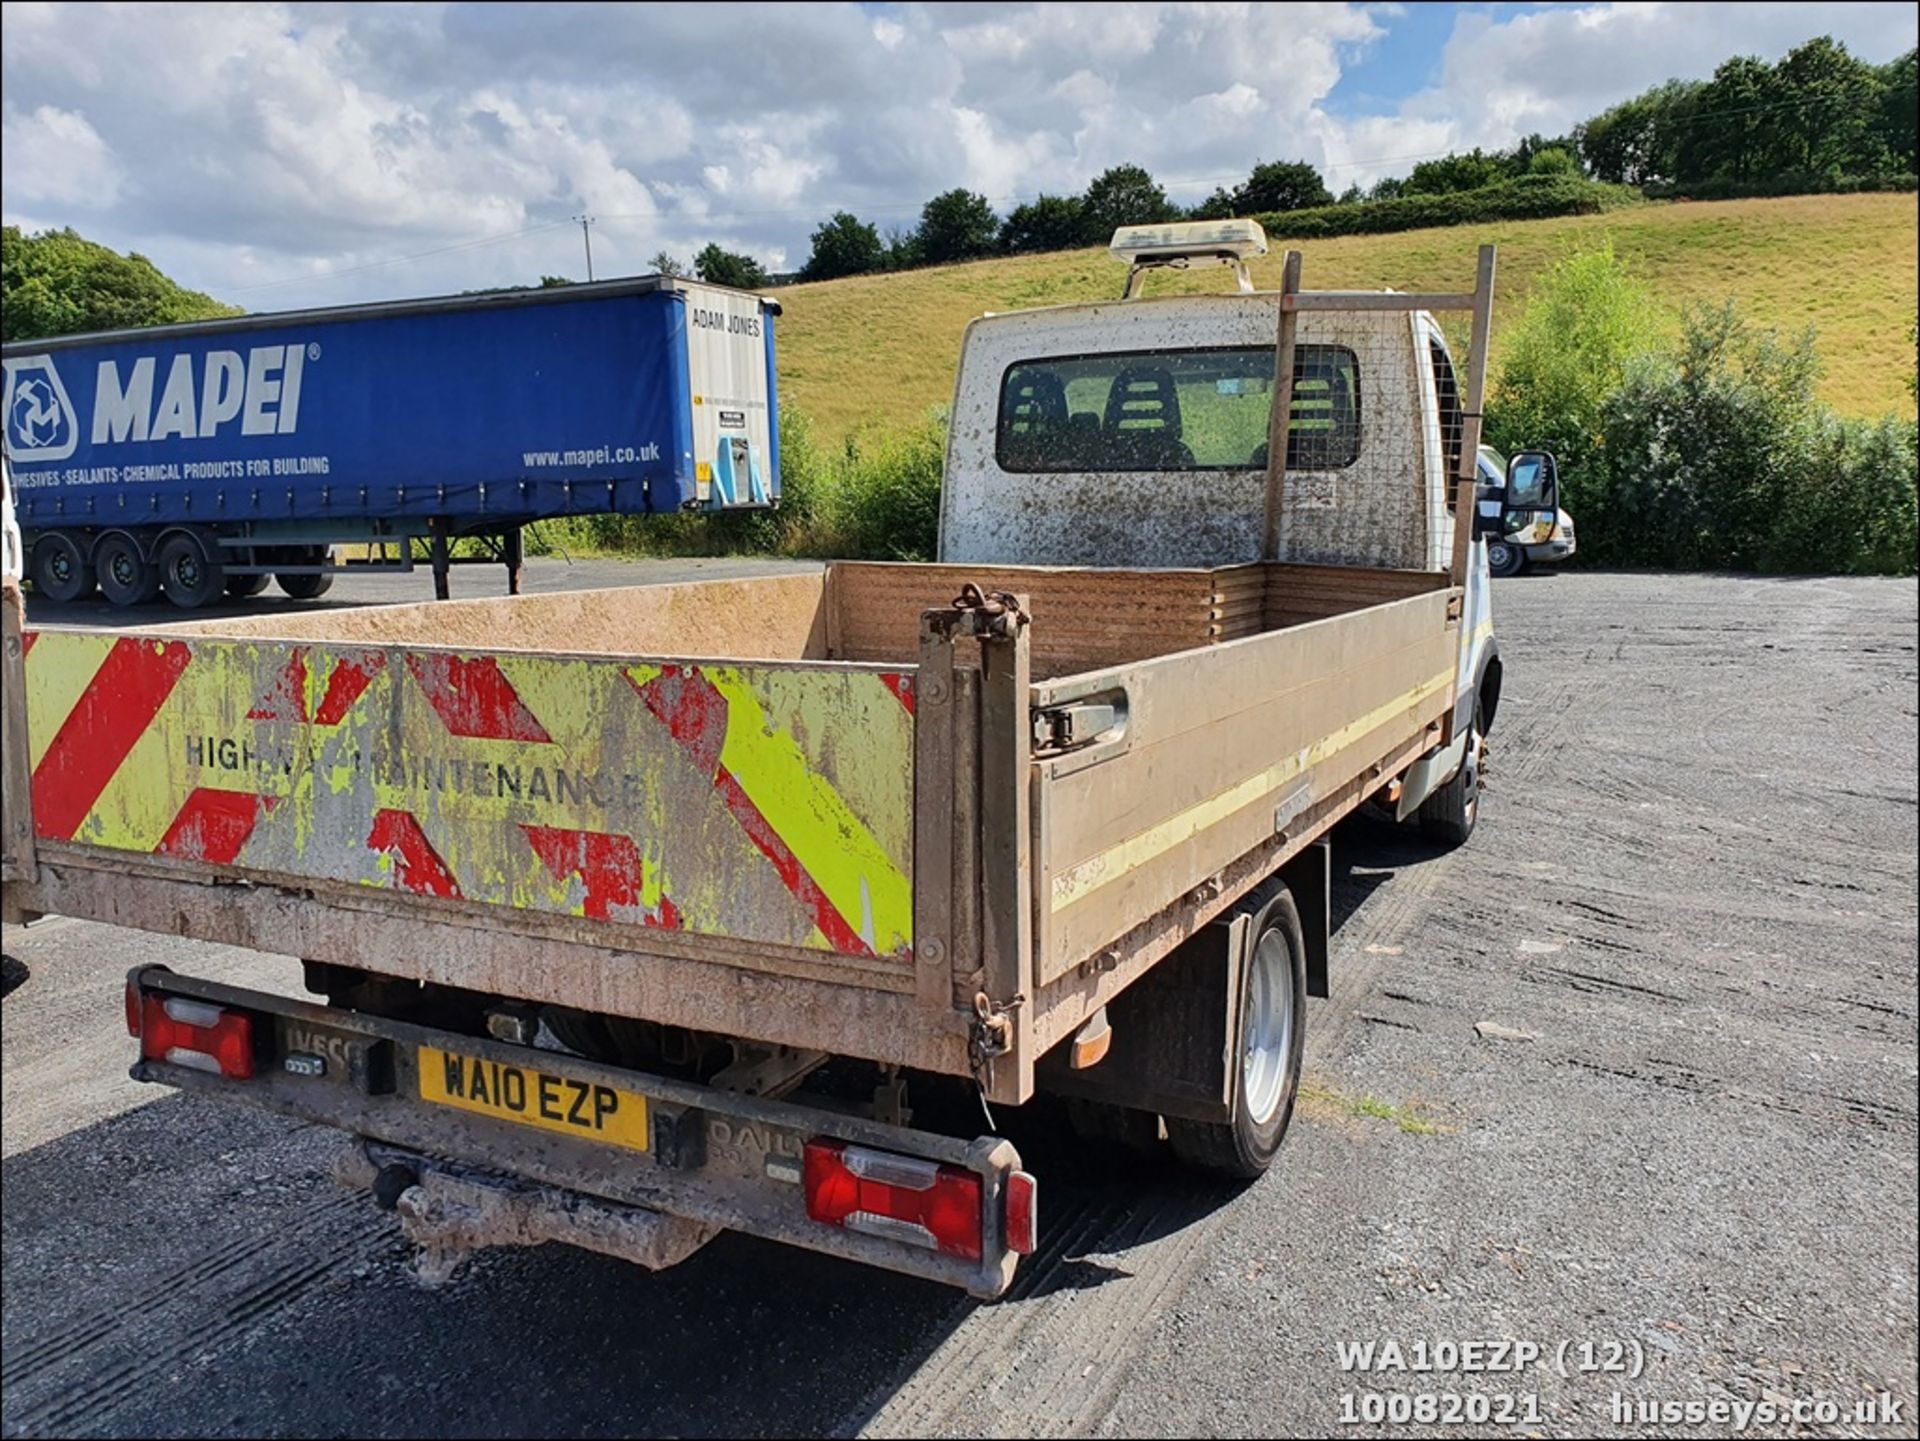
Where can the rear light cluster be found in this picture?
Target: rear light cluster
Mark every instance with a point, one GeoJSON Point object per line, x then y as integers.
{"type": "Point", "coordinates": [910, 1199]}
{"type": "Point", "coordinates": [196, 1034]}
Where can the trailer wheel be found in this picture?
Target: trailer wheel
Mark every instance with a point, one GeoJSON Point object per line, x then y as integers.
{"type": "Point", "coordinates": [1273, 1033]}
{"type": "Point", "coordinates": [190, 577]}
{"type": "Point", "coordinates": [126, 576]}
{"type": "Point", "coordinates": [309, 587]}
{"type": "Point", "coordinates": [1449, 814]}
{"type": "Point", "coordinates": [242, 586]}
{"type": "Point", "coordinates": [61, 571]}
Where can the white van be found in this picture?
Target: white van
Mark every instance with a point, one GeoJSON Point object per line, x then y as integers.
{"type": "Point", "coordinates": [1534, 533]}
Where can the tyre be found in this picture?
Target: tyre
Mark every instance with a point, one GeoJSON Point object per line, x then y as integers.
{"type": "Point", "coordinates": [1273, 1033]}
{"type": "Point", "coordinates": [1449, 814]}
{"type": "Point", "coordinates": [61, 571]}
{"type": "Point", "coordinates": [309, 587]}
{"type": "Point", "coordinates": [242, 586]}
{"type": "Point", "coordinates": [126, 576]}
{"type": "Point", "coordinates": [190, 577]}
{"type": "Point", "coordinates": [1504, 558]}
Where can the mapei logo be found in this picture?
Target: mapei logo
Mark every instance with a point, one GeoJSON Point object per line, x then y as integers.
{"type": "Point", "coordinates": [40, 419]}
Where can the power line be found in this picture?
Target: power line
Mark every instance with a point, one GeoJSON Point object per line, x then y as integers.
{"type": "Point", "coordinates": [397, 259]}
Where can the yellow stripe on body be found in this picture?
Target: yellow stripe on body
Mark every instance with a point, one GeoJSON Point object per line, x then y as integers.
{"type": "Point", "coordinates": [60, 667]}
{"type": "Point", "coordinates": [1074, 885]}
{"type": "Point", "coordinates": [851, 867]}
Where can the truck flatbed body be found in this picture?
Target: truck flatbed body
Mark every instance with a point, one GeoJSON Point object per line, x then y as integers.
{"type": "Point", "coordinates": [801, 809]}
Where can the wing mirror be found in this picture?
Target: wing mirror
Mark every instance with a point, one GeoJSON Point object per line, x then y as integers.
{"type": "Point", "coordinates": [1533, 481]}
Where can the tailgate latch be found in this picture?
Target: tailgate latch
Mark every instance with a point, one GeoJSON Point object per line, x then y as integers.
{"type": "Point", "coordinates": [1069, 726]}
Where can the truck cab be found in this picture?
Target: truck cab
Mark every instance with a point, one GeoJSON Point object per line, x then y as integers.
{"type": "Point", "coordinates": [1134, 434]}
{"type": "Point", "coordinates": [1535, 529]}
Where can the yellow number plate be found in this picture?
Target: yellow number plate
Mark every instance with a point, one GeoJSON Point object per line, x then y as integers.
{"type": "Point", "coordinates": [534, 1098]}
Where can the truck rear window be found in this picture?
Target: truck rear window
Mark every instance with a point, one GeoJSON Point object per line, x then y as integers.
{"type": "Point", "coordinates": [1176, 410]}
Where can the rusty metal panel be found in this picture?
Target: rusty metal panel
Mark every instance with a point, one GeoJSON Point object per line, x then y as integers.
{"type": "Point", "coordinates": [765, 803]}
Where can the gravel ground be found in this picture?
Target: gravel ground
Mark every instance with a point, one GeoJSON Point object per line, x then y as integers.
{"type": "Point", "coordinates": [1635, 1069]}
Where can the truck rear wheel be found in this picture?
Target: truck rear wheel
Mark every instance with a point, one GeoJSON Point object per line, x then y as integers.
{"type": "Point", "coordinates": [190, 577]}
{"type": "Point", "coordinates": [242, 586]}
{"type": "Point", "coordinates": [126, 576]}
{"type": "Point", "coordinates": [1273, 1033]}
{"type": "Point", "coordinates": [309, 587]}
{"type": "Point", "coordinates": [61, 571]}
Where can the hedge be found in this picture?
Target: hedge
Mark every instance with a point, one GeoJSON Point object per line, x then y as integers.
{"type": "Point", "coordinates": [1791, 182]}
{"type": "Point", "coordinates": [1528, 197]}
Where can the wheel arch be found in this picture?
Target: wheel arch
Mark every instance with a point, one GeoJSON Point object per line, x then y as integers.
{"type": "Point", "coordinates": [1487, 684]}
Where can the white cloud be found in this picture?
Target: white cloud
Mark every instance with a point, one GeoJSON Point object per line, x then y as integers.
{"type": "Point", "coordinates": [239, 145]}
{"type": "Point", "coordinates": [54, 158]}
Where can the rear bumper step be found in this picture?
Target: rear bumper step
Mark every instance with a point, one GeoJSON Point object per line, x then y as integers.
{"type": "Point", "coordinates": [671, 1164]}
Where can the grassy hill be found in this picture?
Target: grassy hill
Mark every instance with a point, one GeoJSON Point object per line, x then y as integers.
{"type": "Point", "coordinates": [882, 348]}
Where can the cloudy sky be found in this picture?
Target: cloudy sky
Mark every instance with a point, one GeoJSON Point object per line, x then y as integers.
{"type": "Point", "coordinates": [282, 155]}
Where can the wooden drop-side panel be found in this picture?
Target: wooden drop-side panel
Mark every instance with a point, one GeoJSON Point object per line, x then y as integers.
{"type": "Point", "coordinates": [1082, 619]}
{"type": "Point", "coordinates": [1222, 746]}
{"type": "Point", "coordinates": [762, 803]}
{"type": "Point", "coordinates": [778, 617]}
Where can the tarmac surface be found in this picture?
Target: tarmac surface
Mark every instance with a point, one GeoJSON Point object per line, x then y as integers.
{"type": "Point", "coordinates": [1630, 1077]}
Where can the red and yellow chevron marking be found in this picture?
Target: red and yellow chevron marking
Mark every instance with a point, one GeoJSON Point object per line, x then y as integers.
{"type": "Point", "coordinates": [765, 803]}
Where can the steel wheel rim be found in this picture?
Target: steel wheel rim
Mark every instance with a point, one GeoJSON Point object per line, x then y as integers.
{"type": "Point", "coordinates": [1497, 556]}
{"type": "Point", "coordinates": [1268, 1035]}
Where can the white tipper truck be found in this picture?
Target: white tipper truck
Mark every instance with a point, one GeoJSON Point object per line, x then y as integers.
{"type": "Point", "coordinates": [635, 915]}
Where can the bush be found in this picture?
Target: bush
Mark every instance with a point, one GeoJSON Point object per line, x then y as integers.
{"type": "Point", "coordinates": [1719, 456]}
{"type": "Point", "coordinates": [1586, 323]}
{"type": "Point", "coordinates": [879, 499]}
{"type": "Point", "coordinates": [1527, 197]}
{"type": "Point", "coordinates": [884, 504]}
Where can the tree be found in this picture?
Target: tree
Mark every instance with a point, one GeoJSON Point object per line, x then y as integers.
{"type": "Point", "coordinates": [1220, 205]}
{"type": "Point", "coordinates": [1827, 98]}
{"type": "Point", "coordinates": [1281, 185]}
{"type": "Point", "coordinates": [1124, 195]}
{"type": "Point", "coordinates": [724, 267]}
{"type": "Point", "coordinates": [58, 283]}
{"type": "Point", "coordinates": [1552, 161]}
{"type": "Point", "coordinates": [1730, 134]}
{"type": "Point", "coordinates": [843, 245]}
{"type": "Point", "coordinates": [665, 264]}
{"type": "Point", "coordinates": [1636, 142]}
{"type": "Point", "coordinates": [1048, 222]}
{"type": "Point", "coordinates": [1456, 172]}
{"type": "Point", "coordinates": [1352, 195]}
{"type": "Point", "coordinates": [549, 282]}
{"type": "Point", "coordinates": [1585, 326]}
{"type": "Point", "coordinates": [958, 225]}
{"type": "Point", "coordinates": [1899, 111]}
{"type": "Point", "coordinates": [902, 247]}
{"type": "Point", "coordinates": [1387, 187]}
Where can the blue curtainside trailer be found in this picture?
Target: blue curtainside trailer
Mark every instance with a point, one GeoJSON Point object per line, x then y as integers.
{"type": "Point", "coordinates": [204, 459]}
